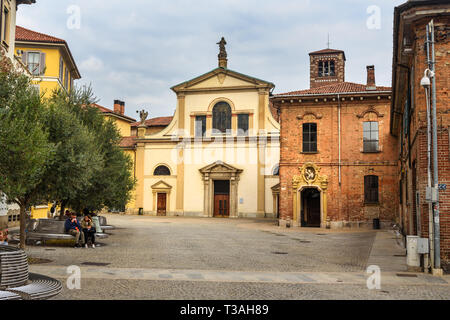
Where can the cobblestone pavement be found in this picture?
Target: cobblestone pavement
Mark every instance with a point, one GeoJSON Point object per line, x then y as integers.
{"type": "Point", "coordinates": [196, 258]}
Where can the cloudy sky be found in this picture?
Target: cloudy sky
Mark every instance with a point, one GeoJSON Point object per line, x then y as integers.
{"type": "Point", "coordinates": [136, 50]}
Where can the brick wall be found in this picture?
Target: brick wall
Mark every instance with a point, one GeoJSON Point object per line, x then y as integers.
{"type": "Point", "coordinates": [345, 200]}
{"type": "Point", "coordinates": [315, 80]}
{"type": "Point", "coordinates": [417, 150]}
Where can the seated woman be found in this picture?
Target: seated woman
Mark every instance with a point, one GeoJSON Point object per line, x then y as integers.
{"type": "Point", "coordinates": [4, 237]}
{"type": "Point", "coordinates": [88, 230]}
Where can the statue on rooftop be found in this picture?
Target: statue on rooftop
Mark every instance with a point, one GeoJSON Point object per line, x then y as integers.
{"type": "Point", "coordinates": [143, 115]}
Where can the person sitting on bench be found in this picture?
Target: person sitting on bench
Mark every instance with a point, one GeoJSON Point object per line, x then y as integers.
{"type": "Point", "coordinates": [88, 230]}
{"type": "Point", "coordinates": [4, 237]}
{"type": "Point", "coordinates": [73, 227]}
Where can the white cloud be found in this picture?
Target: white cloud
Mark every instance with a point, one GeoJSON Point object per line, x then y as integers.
{"type": "Point", "coordinates": [91, 64]}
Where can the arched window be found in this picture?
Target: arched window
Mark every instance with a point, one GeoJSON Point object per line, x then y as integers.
{"type": "Point", "coordinates": [276, 171]}
{"type": "Point", "coordinates": [221, 117]}
{"type": "Point", "coordinates": [162, 171]}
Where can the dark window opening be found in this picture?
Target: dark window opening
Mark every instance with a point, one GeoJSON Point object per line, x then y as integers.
{"type": "Point", "coordinates": [309, 137]}
{"type": "Point", "coordinates": [371, 189]}
{"type": "Point", "coordinates": [162, 171]}
{"type": "Point", "coordinates": [243, 124]}
{"type": "Point", "coordinates": [327, 68]}
{"type": "Point", "coordinates": [221, 118]}
{"type": "Point", "coordinates": [222, 187]}
{"type": "Point", "coordinates": [200, 126]}
{"type": "Point", "coordinates": [370, 137]}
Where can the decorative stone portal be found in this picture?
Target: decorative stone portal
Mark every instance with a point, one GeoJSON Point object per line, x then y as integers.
{"type": "Point", "coordinates": [161, 197]}
{"type": "Point", "coordinates": [309, 178]}
{"type": "Point", "coordinates": [220, 171]}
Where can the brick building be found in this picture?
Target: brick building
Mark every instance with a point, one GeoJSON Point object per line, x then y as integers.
{"type": "Point", "coordinates": [338, 160]}
{"type": "Point", "coordinates": [409, 115]}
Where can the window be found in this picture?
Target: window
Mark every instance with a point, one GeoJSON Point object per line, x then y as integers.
{"type": "Point", "coordinates": [33, 63]}
{"type": "Point", "coordinates": [61, 70]}
{"type": "Point", "coordinates": [309, 137]}
{"type": "Point", "coordinates": [327, 68]}
{"type": "Point", "coordinates": [5, 25]}
{"type": "Point", "coordinates": [370, 136]}
{"type": "Point", "coordinates": [221, 118]}
{"type": "Point", "coordinates": [371, 189]}
{"type": "Point", "coordinates": [243, 124]}
{"type": "Point", "coordinates": [200, 126]}
{"type": "Point", "coordinates": [162, 171]}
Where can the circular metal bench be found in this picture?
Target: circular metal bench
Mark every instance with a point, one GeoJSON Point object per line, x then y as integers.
{"type": "Point", "coordinates": [15, 281]}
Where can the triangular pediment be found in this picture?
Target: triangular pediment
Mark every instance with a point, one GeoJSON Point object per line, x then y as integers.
{"type": "Point", "coordinates": [221, 78]}
{"type": "Point", "coordinates": [220, 167]}
{"type": "Point", "coordinates": [161, 185]}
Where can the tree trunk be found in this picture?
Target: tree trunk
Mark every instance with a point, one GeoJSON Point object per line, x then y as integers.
{"type": "Point", "coordinates": [63, 207]}
{"type": "Point", "coordinates": [23, 221]}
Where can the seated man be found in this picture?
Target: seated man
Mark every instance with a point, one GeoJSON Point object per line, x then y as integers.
{"type": "Point", "coordinates": [73, 227]}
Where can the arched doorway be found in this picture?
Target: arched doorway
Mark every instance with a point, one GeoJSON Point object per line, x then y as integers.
{"type": "Point", "coordinates": [310, 208]}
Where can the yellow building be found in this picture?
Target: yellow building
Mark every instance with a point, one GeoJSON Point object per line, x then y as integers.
{"type": "Point", "coordinates": [122, 121]}
{"type": "Point", "coordinates": [48, 59]}
{"type": "Point", "coordinates": [218, 156]}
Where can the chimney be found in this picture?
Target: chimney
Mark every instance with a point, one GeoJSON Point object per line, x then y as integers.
{"type": "Point", "coordinates": [371, 78]}
{"type": "Point", "coordinates": [122, 109]}
{"type": "Point", "coordinates": [117, 106]}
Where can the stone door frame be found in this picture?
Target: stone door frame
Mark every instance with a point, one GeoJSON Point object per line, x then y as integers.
{"type": "Point", "coordinates": [220, 171]}
{"type": "Point", "coordinates": [161, 187]}
{"type": "Point", "coordinates": [305, 181]}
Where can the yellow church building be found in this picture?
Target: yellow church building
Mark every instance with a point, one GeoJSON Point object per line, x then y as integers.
{"type": "Point", "coordinates": [218, 156]}
{"type": "Point", "coordinates": [48, 59]}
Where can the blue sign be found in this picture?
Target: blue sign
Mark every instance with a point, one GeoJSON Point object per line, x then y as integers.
{"type": "Point", "coordinates": [442, 187]}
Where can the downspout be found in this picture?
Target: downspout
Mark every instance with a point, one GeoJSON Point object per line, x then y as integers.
{"type": "Point", "coordinates": [437, 244]}
{"type": "Point", "coordinates": [339, 137]}
{"type": "Point", "coordinates": [430, 205]}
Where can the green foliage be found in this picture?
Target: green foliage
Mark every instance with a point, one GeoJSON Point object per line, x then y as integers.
{"type": "Point", "coordinates": [112, 184]}
{"type": "Point", "coordinates": [25, 152]}
{"type": "Point", "coordinates": [108, 181]}
{"type": "Point", "coordinates": [77, 155]}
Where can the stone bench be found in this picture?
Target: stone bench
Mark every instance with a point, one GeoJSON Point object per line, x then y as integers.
{"type": "Point", "coordinates": [50, 229]}
{"type": "Point", "coordinates": [15, 281]}
{"type": "Point", "coordinates": [104, 224]}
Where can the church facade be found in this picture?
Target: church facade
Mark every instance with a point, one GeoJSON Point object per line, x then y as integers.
{"type": "Point", "coordinates": [216, 157]}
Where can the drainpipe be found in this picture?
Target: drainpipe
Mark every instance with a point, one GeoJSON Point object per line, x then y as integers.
{"type": "Point", "coordinates": [430, 205]}
{"type": "Point", "coordinates": [437, 245]}
{"type": "Point", "coordinates": [339, 136]}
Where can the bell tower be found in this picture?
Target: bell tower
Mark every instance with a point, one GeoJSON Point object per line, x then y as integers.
{"type": "Point", "coordinates": [327, 67]}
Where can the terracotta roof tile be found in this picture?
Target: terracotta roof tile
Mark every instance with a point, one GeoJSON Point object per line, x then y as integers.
{"type": "Point", "coordinates": [155, 122]}
{"type": "Point", "coordinates": [106, 110]}
{"type": "Point", "coordinates": [324, 51]}
{"type": "Point", "coordinates": [343, 87]}
{"type": "Point", "coordinates": [127, 142]}
{"type": "Point", "coordinates": [23, 34]}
